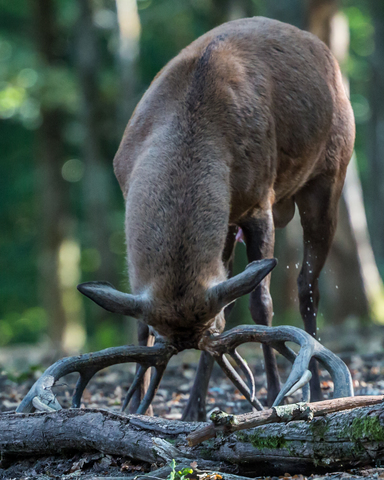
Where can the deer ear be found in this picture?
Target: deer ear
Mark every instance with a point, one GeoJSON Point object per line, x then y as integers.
{"type": "Point", "coordinates": [227, 292]}
{"type": "Point", "coordinates": [106, 295]}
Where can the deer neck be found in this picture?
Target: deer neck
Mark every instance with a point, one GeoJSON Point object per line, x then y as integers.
{"type": "Point", "coordinates": [176, 223]}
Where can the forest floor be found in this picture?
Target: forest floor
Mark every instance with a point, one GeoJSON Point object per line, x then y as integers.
{"type": "Point", "coordinates": [108, 388]}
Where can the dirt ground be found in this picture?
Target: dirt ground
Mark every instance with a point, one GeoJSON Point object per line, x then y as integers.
{"type": "Point", "coordinates": [108, 388]}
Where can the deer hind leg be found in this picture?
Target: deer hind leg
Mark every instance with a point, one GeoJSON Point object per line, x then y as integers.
{"type": "Point", "coordinates": [318, 206]}
{"type": "Point", "coordinates": [196, 407]}
{"type": "Point", "coordinates": [259, 236]}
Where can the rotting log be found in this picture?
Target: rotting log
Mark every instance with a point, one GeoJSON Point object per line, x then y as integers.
{"type": "Point", "coordinates": [344, 439]}
{"type": "Point", "coordinates": [228, 423]}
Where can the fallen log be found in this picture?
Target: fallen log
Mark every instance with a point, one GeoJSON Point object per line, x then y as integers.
{"type": "Point", "coordinates": [349, 438]}
{"type": "Point", "coordinates": [228, 423]}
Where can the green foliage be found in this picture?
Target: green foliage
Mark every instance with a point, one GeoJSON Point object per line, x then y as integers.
{"type": "Point", "coordinates": [180, 474]}
{"type": "Point", "coordinates": [22, 376]}
{"type": "Point", "coordinates": [359, 71]}
{"type": "Point", "coordinates": [26, 327]}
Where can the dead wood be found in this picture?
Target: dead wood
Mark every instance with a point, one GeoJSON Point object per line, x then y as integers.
{"type": "Point", "coordinates": [222, 422]}
{"type": "Point", "coordinates": [349, 438]}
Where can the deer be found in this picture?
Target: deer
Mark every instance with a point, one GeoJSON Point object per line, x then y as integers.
{"type": "Point", "coordinates": [243, 125]}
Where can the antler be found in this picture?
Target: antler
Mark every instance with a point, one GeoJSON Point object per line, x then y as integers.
{"type": "Point", "coordinates": [41, 397]}
{"type": "Point", "coordinates": [227, 342]}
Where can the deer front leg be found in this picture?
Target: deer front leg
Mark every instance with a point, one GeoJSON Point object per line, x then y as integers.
{"type": "Point", "coordinates": [259, 237]}
{"type": "Point", "coordinates": [196, 407]}
{"type": "Point", "coordinates": [317, 204]}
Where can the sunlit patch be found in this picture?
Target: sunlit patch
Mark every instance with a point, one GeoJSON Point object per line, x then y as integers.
{"type": "Point", "coordinates": [69, 275]}
{"type": "Point", "coordinates": [11, 98]}
{"type": "Point", "coordinates": [69, 257]}
{"type": "Point", "coordinates": [130, 28]}
{"type": "Point", "coordinates": [74, 337]}
{"type": "Point", "coordinates": [377, 308]}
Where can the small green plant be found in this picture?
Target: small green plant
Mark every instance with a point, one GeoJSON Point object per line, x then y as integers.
{"type": "Point", "coordinates": [178, 475]}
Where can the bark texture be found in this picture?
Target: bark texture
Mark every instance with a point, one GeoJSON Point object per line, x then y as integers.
{"type": "Point", "coordinates": [343, 439]}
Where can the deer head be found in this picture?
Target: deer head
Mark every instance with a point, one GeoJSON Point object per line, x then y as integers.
{"type": "Point", "coordinates": [188, 319]}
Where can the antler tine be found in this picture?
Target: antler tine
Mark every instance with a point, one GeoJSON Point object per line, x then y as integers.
{"type": "Point", "coordinates": [339, 372]}
{"type": "Point", "coordinates": [237, 380]}
{"type": "Point", "coordinates": [290, 355]}
{"type": "Point", "coordinates": [41, 396]}
{"type": "Point", "coordinates": [246, 371]}
{"type": "Point", "coordinates": [84, 377]}
{"type": "Point", "coordinates": [152, 389]}
{"type": "Point", "coordinates": [136, 382]}
{"type": "Point", "coordinates": [276, 337]}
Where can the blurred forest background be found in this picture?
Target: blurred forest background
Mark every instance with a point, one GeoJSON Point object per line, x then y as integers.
{"type": "Point", "coordinates": [71, 73]}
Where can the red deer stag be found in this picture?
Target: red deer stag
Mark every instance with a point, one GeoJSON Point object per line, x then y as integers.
{"type": "Point", "coordinates": [249, 120]}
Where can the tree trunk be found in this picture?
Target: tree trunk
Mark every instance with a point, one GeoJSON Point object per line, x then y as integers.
{"type": "Point", "coordinates": [128, 52]}
{"type": "Point", "coordinates": [344, 439]}
{"type": "Point", "coordinates": [320, 14]}
{"type": "Point", "coordinates": [51, 185]}
{"type": "Point", "coordinates": [376, 136]}
{"type": "Point", "coordinates": [357, 262]}
{"type": "Point", "coordinates": [96, 178]}
{"type": "Point", "coordinates": [289, 11]}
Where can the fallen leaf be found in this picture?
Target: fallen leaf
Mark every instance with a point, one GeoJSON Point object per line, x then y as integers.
{"type": "Point", "coordinates": [128, 467]}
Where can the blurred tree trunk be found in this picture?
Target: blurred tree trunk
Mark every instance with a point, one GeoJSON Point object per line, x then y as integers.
{"type": "Point", "coordinates": [128, 52]}
{"type": "Point", "coordinates": [356, 275]}
{"type": "Point", "coordinates": [376, 137]}
{"type": "Point", "coordinates": [225, 10]}
{"type": "Point", "coordinates": [52, 189]}
{"type": "Point", "coordinates": [97, 188]}
{"type": "Point", "coordinates": [289, 11]}
{"type": "Point", "coordinates": [320, 14]}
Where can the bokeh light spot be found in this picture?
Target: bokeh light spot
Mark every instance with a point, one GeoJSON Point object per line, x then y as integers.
{"type": "Point", "coordinates": [361, 108]}
{"type": "Point", "coordinates": [73, 170]}
{"type": "Point", "coordinates": [105, 18]}
{"type": "Point", "coordinates": [143, 4]}
{"type": "Point", "coordinates": [27, 77]}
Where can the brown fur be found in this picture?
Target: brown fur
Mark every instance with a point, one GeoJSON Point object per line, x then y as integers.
{"type": "Point", "coordinates": [242, 123]}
